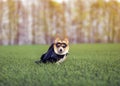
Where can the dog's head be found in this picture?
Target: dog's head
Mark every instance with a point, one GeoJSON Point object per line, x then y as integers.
{"type": "Point", "coordinates": [61, 47]}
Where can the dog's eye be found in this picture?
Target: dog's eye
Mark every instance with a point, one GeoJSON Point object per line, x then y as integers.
{"type": "Point", "coordinates": [58, 44]}
{"type": "Point", "coordinates": [64, 45]}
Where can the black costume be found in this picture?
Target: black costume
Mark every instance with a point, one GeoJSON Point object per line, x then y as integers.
{"type": "Point", "coordinates": [50, 56]}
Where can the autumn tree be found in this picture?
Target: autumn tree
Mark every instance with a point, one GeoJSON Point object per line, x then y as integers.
{"type": "Point", "coordinates": [1, 4]}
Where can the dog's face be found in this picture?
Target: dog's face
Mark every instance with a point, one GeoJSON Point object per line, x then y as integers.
{"type": "Point", "coordinates": [61, 47]}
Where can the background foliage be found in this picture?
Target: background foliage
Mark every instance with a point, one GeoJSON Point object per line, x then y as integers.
{"type": "Point", "coordinates": [38, 21]}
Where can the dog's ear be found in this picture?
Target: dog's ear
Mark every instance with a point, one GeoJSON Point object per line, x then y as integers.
{"type": "Point", "coordinates": [66, 40]}
{"type": "Point", "coordinates": [57, 39]}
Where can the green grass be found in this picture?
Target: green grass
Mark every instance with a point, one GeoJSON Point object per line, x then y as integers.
{"type": "Point", "coordinates": [86, 65]}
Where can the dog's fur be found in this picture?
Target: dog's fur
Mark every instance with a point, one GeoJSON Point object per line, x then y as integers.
{"type": "Point", "coordinates": [57, 52]}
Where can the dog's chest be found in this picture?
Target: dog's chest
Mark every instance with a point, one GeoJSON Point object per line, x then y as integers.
{"type": "Point", "coordinates": [61, 59]}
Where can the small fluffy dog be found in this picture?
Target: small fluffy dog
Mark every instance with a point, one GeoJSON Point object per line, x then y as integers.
{"type": "Point", "coordinates": [57, 52]}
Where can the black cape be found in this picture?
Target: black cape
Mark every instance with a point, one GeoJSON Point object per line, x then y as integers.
{"type": "Point", "coordinates": [50, 56]}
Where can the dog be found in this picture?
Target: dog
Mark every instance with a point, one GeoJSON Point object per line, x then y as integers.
{"type": "Point", "coordinates": [56, 53]}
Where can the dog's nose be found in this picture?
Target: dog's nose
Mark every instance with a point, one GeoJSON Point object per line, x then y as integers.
{"type": "Point", "coordinates": [60, 50]}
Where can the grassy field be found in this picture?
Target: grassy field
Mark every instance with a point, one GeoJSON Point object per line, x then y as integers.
{"type": "Point", "coordinates": [86, 65]}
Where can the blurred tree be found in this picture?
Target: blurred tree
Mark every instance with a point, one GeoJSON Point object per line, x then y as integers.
{"type": "Point", "coordinates": [1, 14]}
{"type": "Point", "coordinates": [22, 24]}
{"type": "Point", "coordinates": [34, 23]}
{"type": "Point", "coordinates": [46, 20]}
{"type": "Point", "coordinates": [80, 17]}
{"type": "Point", "coordinates": [97, 20]}
{"type": "Point", "coordinates": [114, 17]}
{"type": "Point", "coordinates": [5, 24]}
{"type": "Point", "coordinates": [57, 18]}
{"type": "Point", "coordinates": [12, 21]}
